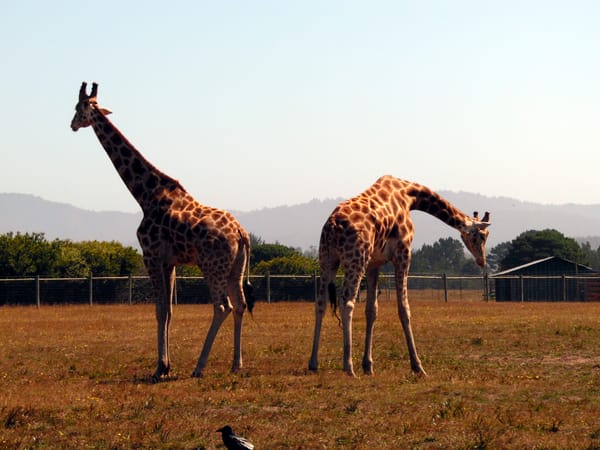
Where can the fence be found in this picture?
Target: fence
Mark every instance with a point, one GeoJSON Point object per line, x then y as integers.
{"type": "Point", "coordinates": [547, 288]}
{"type": "Point", "coordinates": [138, 289]}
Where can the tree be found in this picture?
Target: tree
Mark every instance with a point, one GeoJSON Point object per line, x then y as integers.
{"type": "Point", "coordinates": [23, 255]}
{"type": "Point", "coordinates": [187, 270]}
{"type": "Point", "coordinates": [496, 255]}
{"type": "Point", "coordinates": [592, 257]}
{"type": "Point", "coordinates": [267, 252]}
{"type": "Point", "coordinates": [70, 262]}
{"type": "Point", "coordinates": [287, 265]}
{"type": "Point", "coordinates": [109, 258]}
{"type": "Point", "coordinates": [534, 244]}
{"type": "Point", "coordinates": [256, 240]}
{"type": "Point", "coordinates": [27, 254]}
{"type": "Point", "coordinates": [446, 255]}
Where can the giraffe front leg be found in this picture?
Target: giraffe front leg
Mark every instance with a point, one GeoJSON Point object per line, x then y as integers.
{"type": "Point", "coordinates": [220, 312]}
{"type": "Point", "coordinates": [404, 313]}
{"type": "Point", "coordinates": [163, 367]}
{"type": "Point", "coordinates": [164, 284]}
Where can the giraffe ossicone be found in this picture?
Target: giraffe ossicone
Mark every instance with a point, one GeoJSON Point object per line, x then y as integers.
{"type": "Point", "coordinates": [176, 229]}
{"type": "Point", "coordinates": [365, 232]}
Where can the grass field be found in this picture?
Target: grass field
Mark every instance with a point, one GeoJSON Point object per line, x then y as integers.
{"type": "Point", "coordinates": [501, 375]}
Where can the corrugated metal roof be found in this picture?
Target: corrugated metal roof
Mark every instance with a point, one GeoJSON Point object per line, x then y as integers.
{"type": "Point", "coordinates": [539, 261]}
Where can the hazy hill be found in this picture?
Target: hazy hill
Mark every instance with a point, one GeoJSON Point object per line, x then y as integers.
{"type": "Point", "coordinates": [300, 225]}
{"type": "Point", "coordinates": [28, 213]}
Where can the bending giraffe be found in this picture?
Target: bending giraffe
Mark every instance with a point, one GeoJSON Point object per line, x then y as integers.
{"type": "Point", "coordinates": [176, 229]}
{"type": "Point", "coordinates": [365, 232]}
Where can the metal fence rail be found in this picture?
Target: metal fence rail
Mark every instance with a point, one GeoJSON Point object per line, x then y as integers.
{"type": "Point", "coordinates": [39, 291]}
{"type": "Point", "coordinates": [547, 288]}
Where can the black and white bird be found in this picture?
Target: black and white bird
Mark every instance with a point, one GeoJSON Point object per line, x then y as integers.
{"type": "Point", "coordinates": [234, 442]}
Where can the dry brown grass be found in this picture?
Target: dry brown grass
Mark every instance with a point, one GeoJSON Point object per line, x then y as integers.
{"type": "Point", "coordinates": [501, 376]}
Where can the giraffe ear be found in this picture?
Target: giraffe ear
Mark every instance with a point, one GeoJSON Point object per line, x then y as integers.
{"type": "Point", "coordinates": [105, 111]}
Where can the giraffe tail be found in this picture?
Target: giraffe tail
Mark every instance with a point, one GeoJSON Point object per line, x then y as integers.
{"type": "Point", "coordinates": [332, 295]}
{"type": "Point", "coordinates": [248, 294]}
{"type": "Point", "coordinates": [333, 301]}
{"type": "Point", "coordinates": [247, 286]}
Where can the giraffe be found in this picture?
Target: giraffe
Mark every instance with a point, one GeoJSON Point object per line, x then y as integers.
{"type": "Point", "coordinates": [365, 232]}
{"type": "Point", "coordinates": [176, 229]}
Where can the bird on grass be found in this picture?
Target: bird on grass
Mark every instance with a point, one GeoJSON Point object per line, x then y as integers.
{"type": "Point", "coordinates": [234, 442]}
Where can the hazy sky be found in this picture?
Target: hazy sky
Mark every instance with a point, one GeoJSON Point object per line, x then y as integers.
{"type": "Point", "coordinates": [255, 104]}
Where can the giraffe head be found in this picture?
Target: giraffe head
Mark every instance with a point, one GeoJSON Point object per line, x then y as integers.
{"type": "Point", "coordinates": [474, 234]}
{"type": "Point", "coordinates": [85, 106]}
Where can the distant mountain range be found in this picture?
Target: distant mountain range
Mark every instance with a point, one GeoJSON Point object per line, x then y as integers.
{"type": "Point", "coordinates": [300, 225]}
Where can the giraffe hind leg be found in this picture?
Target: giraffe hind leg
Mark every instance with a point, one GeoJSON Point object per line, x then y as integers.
{"type": "Point", "coordinates": [241, 295]}
{"type": "Point", "coordinates": [326, 287]}
{"type": "Point", "coordinates": [320, 307]}
{"type": "Point", "coordinates": [220, 312]}
{"type": "Point", "coordinates": [236, 293]}
{"type": "Point", "coordinates": [371, 315]}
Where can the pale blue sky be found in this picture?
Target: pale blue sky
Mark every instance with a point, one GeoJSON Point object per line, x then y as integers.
{"type": "Point", "coordinates": [256, 104]}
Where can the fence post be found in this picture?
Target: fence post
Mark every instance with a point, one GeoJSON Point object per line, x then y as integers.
{"type": "Point", "coordinates": [564, 288]}
{"type": "Point", "coordinates": [175, 290]}
{"type": "Point", "coordinates": [486, 293]}
{"type": "Point", "coordinates": [91, 288]}
{"type": "Point", "coordinates": [268, 287]}
{"type": "Point", "coordinates": [130, 289]}
{"type": "Point", "coordinates": [522, 293]}
{"type": "Point", "coordinates": [37, 290]}
{"type": "Point", "coordinates": [445, 280]}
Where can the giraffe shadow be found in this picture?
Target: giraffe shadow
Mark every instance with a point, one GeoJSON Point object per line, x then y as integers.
{"type": "Point", "coordinates": [137, 380]}
{"type": "Point", "coordinates": [149, 379]}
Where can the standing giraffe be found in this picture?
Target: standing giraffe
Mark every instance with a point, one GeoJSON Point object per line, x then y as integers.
{"type": "Point", "coordinates": [364, 233]}
{"type": "Point", "coordinates": [176, 229]}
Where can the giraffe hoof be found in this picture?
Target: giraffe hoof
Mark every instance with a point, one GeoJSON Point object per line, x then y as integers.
{"type": "Point", "coordinates": [367, 368]}
{"type": "Point", "coordinates": [162, 371]}
{"type": "Point", "coordinates": [420, 373]}
{"type": "Point", "coordinates": [158, 378]}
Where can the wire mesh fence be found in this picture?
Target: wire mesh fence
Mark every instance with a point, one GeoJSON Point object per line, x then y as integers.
{"type": "Point", "coordinates": [39, 291]}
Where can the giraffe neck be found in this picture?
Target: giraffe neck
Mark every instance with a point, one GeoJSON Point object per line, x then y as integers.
{"type": "Point", "coordinates": [145, 182]}
{"type": "Point", "coordinates": [424, 199]}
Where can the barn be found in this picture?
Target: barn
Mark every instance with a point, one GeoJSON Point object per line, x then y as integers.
{"type": "Point", "coordinates": [548, 279]}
